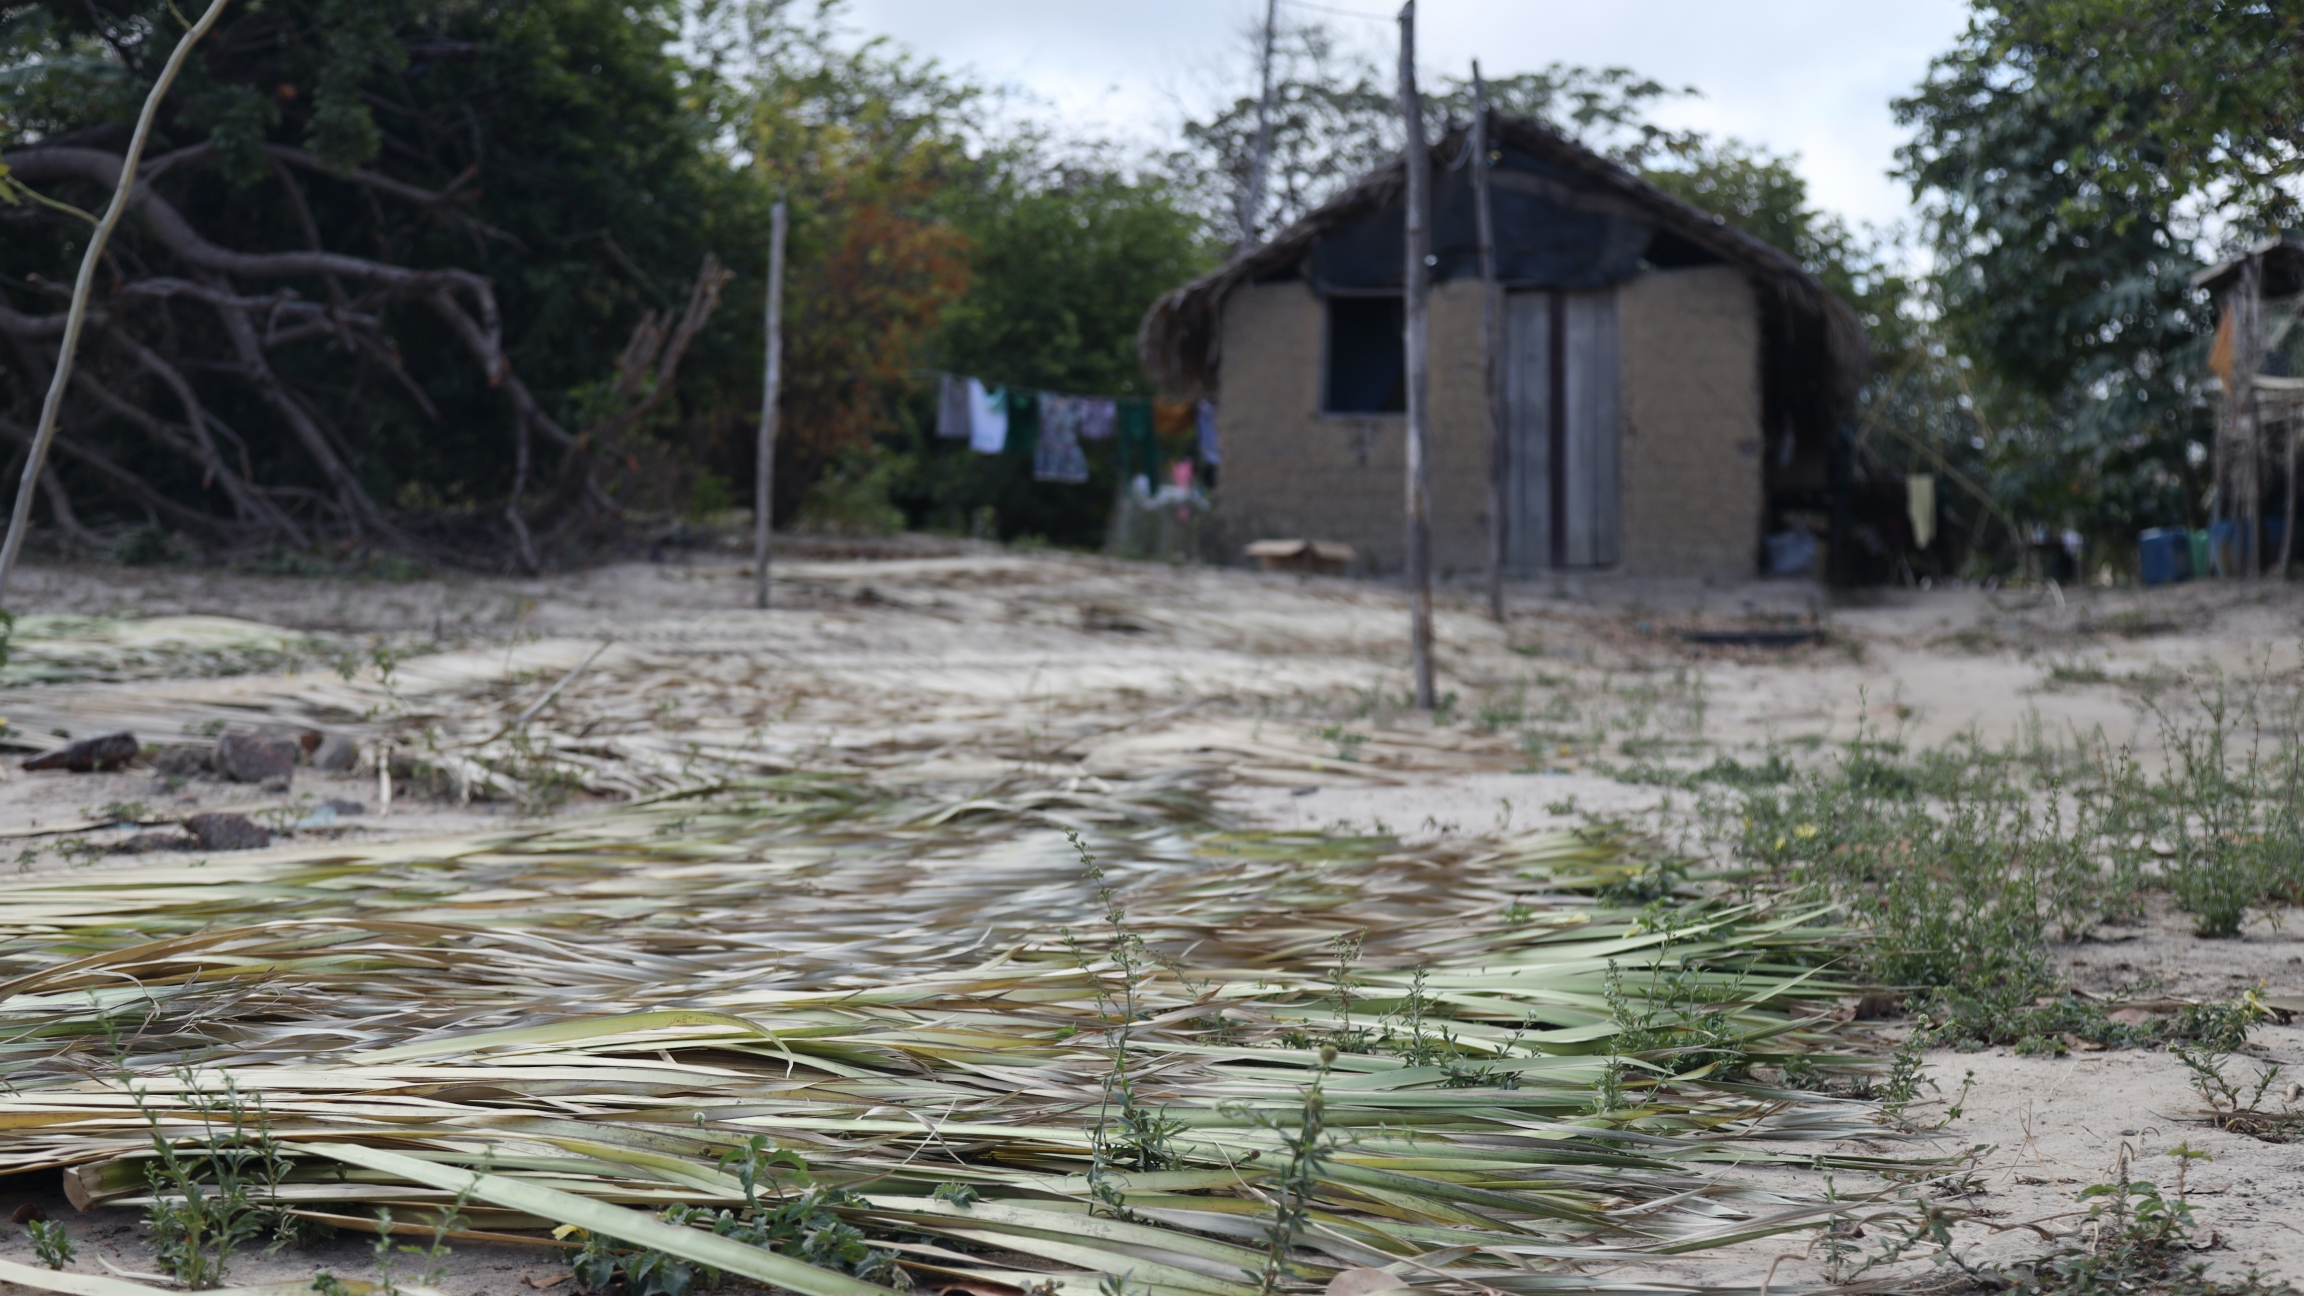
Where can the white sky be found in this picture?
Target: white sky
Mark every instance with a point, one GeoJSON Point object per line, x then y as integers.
{"type": "Point", "coordinates": [1812, 77]}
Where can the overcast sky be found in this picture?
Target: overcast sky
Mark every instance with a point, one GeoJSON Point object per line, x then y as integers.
{"type": "Point", "coordinates": [1813, 77]}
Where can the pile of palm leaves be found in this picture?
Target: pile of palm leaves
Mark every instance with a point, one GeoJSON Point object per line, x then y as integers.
{"type": "Point", "coordinates": [50, 649]}
{"type": "Point", "coordinates": [840, 1042]}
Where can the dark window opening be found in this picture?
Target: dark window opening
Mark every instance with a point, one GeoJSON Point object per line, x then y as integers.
{"type": "Point", "coordinates": [1367, 364]}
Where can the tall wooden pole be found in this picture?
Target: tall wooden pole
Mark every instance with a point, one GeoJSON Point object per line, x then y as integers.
{"type": "Point", "coordinates": [1416, 342]}
{"type": "Point", "coordinates": [2288, 510]}
{"type": "Point", "coordinates": [1248, 211]}
{"type": "Point", "coordinates": [2247, 352]}
{"type": "Point", "coordinates": [76, 317]}
{"type": "Point", "coordinates": [1492, 347]}
{"type": "Point", "coordinates": [764, 475]}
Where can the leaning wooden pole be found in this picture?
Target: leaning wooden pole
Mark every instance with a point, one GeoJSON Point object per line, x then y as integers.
{"type": "Point", "coordinates": [1416, 340]}
{"type": "Point", "coordinates": [1492, 351]}
{"type": "Point", "coordinates": [764, 473]}
{"type": "Point", "coordinates": [76, 318]}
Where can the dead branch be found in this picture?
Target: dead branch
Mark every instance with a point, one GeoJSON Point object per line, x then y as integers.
{"type": "Point", "coordinates": [358, 509]}
{"type": "Point", "coordinates": [638, 392]}
{"type": "Point", "coordinates": [132, 485]}
{"type": "Point", "coordinates": [353, 318]}
{"type": "Point", "coordinates": [60, 506]}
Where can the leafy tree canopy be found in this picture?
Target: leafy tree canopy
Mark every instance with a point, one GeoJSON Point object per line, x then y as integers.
{"type": "Point", "coordinates": [2050, 199]}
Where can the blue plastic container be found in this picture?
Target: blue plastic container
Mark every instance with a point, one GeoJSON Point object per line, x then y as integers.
{"type": "Point", "coordinates": [2164, 555]}
{"type": "Point", "coordinates": [2225, 545]}
{"type": "Point", "coordinates": [2228, 545]}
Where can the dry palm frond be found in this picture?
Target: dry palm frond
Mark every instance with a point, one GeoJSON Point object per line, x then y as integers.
{"type": "Point", "coordinates": [49, 649]}
{"type": "Point", "coordinates": [577, 1024]}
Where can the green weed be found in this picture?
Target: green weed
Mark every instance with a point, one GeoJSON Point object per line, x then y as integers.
{"type": "Point", "coordinates": [51, 1245]}
{"type": "Point", "coordinates": [1499, 712]}
{"type": "Point", "coordinates": [1308, 1143]}
{"type": "Point", "coordinates": [213, 1198]}
{"type": "Point", "coordinates": [1348, 743]}
{"type": "Point", "coordinates": [2140, 1241]}
{"type": "Point", "coordinates": [434, 1254]}
{"type": "Point", "coordinates": [806, 1224]}
{"type": "Point", "coordinates": [2233, 1105]}
{"type": "Point", "coordinates": [1967, 863]}
{"type": "Point", "coordinates": [1127, 1136]}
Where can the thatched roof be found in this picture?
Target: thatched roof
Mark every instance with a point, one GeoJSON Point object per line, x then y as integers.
{"type": "Point", "coordinates": [2283, 258]}
{"type": "Point", "coordinates": [1182, 336]}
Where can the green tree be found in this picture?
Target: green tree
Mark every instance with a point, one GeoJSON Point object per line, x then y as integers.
{"type": "Point", "coordinates": [2065, 301]}
{"type": "Point", "coordinates": [2197, 105]}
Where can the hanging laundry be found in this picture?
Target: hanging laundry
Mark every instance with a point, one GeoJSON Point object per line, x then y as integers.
{"type": "Point", "coordinates": [987, 418]}
{"type": "Point", "coordinates": [1920, 507]}
{"type": "Point", "coordinates": [1097, 415]}
{"type": "Point", "coordinates": [1060, 415]}
{"type": "Point", "coordinates": [1139, 451]}
{"type": "Point", "coordinates": [1206, 417]}
{"type": "Point", "coordinates": [951, 408]}
{"type": "Point", "coordinates": [1058, 457]}
{"type": "Point", "coordinates": [1023, 422]}
{"type": "Point", "coordinates": [1172, 418]}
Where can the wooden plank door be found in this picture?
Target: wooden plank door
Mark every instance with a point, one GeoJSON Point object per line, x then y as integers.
{"type": "Point", "coordinates": [1563, 385]}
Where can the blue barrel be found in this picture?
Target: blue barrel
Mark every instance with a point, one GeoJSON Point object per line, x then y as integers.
{"type": "Point", "coordinates": [2164, 555]}
{"type": "Point", "coordinates": [2226, 549]}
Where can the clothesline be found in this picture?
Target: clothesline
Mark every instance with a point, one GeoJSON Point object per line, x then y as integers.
{"type": "Point", "coordinates": [1051, 427]}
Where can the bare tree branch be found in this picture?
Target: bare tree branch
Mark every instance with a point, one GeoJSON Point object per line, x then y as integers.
{"type": "Point", "coordinates": [359, 510]}
{"type": "Point", "coordinates": [132, 484]}
{"type": "Point", "coordinates": [60, 505]}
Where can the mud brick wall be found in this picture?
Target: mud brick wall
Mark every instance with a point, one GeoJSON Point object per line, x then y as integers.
{"type": "Point", "coordinates": [1690, 441]}
{"type": "Point", "coordinates": [1291, 471]}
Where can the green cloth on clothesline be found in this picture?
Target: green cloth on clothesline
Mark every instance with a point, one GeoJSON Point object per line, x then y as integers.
{"type": "Point", "coordinates": [1139, 448]}
{"type": "Point", "coordinates": [1023, 421]}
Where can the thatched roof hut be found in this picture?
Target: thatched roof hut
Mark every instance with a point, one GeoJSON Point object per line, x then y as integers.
{"type": "Point", "coordinates": [1711, 309]}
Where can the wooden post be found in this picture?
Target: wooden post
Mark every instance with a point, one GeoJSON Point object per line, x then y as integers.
{"type": "Point", "coordinates": [2251, 424]}
{"type": "Point", "coordinates": [764, 475]}
{"type": "Point", "coordinates": [1248, 210]}
{"type": "Point", "coordinates": [2288, 508]}
{"type": "Point", "coordinates": [76, 316]}
{"type": "Point", "coordinates": [2248, 352]}
{"type": "Point", "coordinates": [1492, 345]}
{"type": "Point", "coordinates": [1416, 341]}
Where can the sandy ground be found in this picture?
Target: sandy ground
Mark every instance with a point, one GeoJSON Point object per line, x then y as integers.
{"type": "Point", "coordinates": [945, 664]}
{"type": "Point", "coordinates": [2053, 1126]}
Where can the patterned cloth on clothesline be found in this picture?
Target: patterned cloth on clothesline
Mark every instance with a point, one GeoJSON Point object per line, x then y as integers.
{"type": "Point", "coordinates": [1058, 457]}
{"type": "Point", "coordinates": [1098, 416]}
